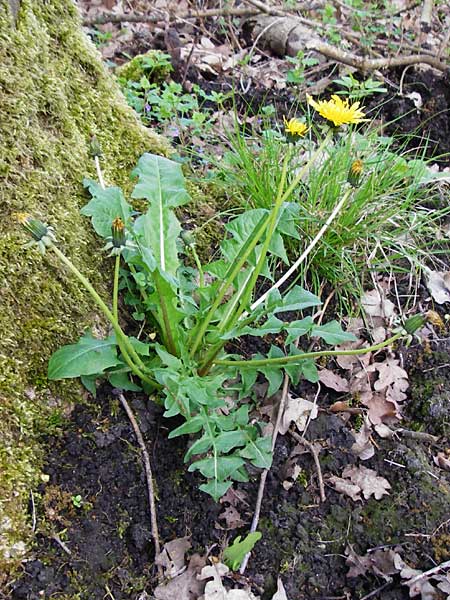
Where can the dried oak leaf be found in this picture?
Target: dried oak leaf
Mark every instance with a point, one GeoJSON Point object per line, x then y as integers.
{"type": "Point", "coordinates": [368, 481]}
{"type": "Point", "coordinates": [380, 562]}
{"type": "Point", "coordinates": [232, 518]}
{"type": "Point", "coordinates": [333, 380]}
{"type": "Point", "coordinates": [343, 486]}
{"type": "Point", "coordinates": [377, 305]}
{"type": "Point", "coordinates": [215, 590]}
{"type": "Point", "coordinates": [389, 373]}
{"type": "Point", "coordinates": [380, 409]}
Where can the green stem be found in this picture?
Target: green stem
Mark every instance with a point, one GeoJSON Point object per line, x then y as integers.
{"type": "Point", "coordinates": [116, 288]}
{"type": "Point", "coordinates": [306, 167]}
{"type": "Point", "coordinates": [225, 286]}
{"type": "Point", "coordinates": [141, 289]}
{"type": "Point", "coordinates": [242, 296]}
{"type": "Point", "coordinates": [284, 360]}
{"type": "Point", "coordinates": [201, 275]}
{"type": "Point", "coordinates": [129, 353]}
{"type": "Point", "coordinates": [281, 197]}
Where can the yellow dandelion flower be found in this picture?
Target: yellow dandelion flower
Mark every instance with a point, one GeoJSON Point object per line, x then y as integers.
{"type": "Point", "coordinates": [337, 110]}
{"type": "Point", "coordinates": [294, 127]}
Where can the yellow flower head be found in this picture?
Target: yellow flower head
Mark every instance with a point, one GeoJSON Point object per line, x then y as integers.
{"type": "Point", "coordinates": [338, 111]}
{"type": "Point", "coordinates": [294, 127]}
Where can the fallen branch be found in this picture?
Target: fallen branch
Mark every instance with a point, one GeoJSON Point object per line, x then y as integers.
{"type": "Point", "coordinates": [372, 64]}
{"type": "Point", "coordinates": [187, 14]}
{"type": "Point", "coordinates": [269, 10]}
{"type": "Point", "coordinates": [149, 479]}
{"type": "Point", "coordinates": [291, 35]}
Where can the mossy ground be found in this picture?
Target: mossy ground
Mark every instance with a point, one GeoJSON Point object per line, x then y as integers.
{"type": "Point", "coordinates": [55, 94]}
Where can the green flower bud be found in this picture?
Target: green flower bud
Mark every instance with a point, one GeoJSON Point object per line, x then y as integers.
{"type": "Point", "coordinates": [188, 238]}
{"type": "Point", "coordinates": [414, 323]}
{"type": "Point", "coordinates": [43, 235]}
{"type": "Point", "coordinates": [94, 147]}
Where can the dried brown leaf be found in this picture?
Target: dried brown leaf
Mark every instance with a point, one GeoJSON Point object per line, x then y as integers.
{"type": "Point", "coordinates": [368, 481]}
{"type": "Point", "coordinates": [389, 373]}
{"type": "Point", "coordinates": [363, 447]}
{"type": "Point", "coordinates": [334, 381]}
{"type": "Point", "coordinates": [186, 585]}
{"type": "Point", "coordinates": [380, 409]}
{"type": "Point", "coordinates": [172, 556]}
{"type": "Point", "coordinates": [343, 486]}
{"type": "Point", "coordinates": [380, 562]}
{"type": "Point", "coordinates": [232, 518]}
{"type": "Point", "coordinates": [377, 305]}
{"type": "Point", "coordinates": [438, 284]}
{"type": "Point", "coordinates": [215, 590]}
{"type": "Point", "coordinates": [442, 461]}
{"type": "Point", "coordinates": [291, 471]}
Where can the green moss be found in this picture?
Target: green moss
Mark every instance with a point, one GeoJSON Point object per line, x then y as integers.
{"type": "Point", "coordinates": [55, 94]}
{"type": "Point", "coordinates": [430, 399]}
{"type": "Point", "coordinates": [154, 65]}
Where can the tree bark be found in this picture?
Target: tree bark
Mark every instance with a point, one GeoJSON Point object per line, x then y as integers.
{"type": "Point", "coordinates": [55, 94]}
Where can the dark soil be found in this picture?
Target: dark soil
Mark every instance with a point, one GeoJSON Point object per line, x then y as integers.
{"type": "Point", "coordinates": [108, 535]}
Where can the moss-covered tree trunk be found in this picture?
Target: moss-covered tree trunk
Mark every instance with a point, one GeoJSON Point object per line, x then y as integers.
{"type": "Point", "coordinates": [54, 95]}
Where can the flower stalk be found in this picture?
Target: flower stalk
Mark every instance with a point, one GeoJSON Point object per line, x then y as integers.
{"type": "Point", "coordinates": [287, 360]}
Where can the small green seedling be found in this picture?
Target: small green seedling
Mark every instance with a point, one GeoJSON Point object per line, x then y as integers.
{"type": "Point", "coordinates": [77, 501]}
{"type": "Point", "coordinates": [235, 554]}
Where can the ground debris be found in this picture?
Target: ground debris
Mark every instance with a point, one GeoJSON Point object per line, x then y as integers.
{"type": "Point", "coordinates": [355, 480]}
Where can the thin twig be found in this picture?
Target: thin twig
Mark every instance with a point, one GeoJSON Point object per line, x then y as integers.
{"type": "Point", "coordinates": [99, 172]}
{"type": "Point", "coordinates": [33, 512]}
{"type": "Point", "coordinates": [149, 478]}
{"type": "Point", "coordinates": [269, 10]}
{"type": "Point", "coordinates": [378, 590]}
{"type": "Point", "coordinates": [417, 435]}
{"type": "Point", "coordinates": [59, 541]}
{"type": "Point", "coordinates": [262, 481]}
{"type": "Point", "coordinates": [425, 574]}
{"type": "Point", "coordinates": [315, 455]}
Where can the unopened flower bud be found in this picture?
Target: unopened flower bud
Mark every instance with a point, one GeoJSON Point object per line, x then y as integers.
{"type": "Point", "coordinates": [43, 235]}
{"type": "Point", "coordinates": [94, 147]}
{"type": "Point", "coordinates": [414, 323]}
{"type": "Point", "coordinates": [118, 233]}
{"type": "Point", "coordinates": [188, 238]}
{"type": "Point", "coordinates": [355, 171]}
